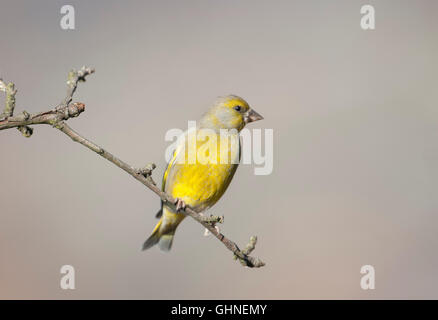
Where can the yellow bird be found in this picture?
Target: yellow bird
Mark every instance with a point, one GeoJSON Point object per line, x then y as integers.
{"type": "Point", "coordinates": [203, 164]}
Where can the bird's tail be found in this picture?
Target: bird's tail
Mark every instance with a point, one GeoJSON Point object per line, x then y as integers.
{"type": "Point", "coordinates": [163, 233]}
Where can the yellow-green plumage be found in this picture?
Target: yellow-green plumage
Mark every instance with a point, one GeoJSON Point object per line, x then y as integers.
{"type": "Point", "coordinates": [202, 183]}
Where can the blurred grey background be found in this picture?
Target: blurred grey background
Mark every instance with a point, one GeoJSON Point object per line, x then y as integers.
{"type": "Point", "coordinates": [355, 125]}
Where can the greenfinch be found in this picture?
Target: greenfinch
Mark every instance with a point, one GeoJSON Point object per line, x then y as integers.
{"type": "Point", "coordinates": [201, 181]}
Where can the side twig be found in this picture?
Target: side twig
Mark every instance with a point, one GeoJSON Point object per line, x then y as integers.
{"type": "Point", "coordinates": [68, 109]}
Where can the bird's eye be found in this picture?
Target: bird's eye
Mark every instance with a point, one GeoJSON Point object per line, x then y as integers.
{"type": "Point", "coordinates": [237, 108]}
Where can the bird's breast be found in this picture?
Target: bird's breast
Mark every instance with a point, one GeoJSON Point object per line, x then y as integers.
{"type": "Point", "coordinates": [201, 184]}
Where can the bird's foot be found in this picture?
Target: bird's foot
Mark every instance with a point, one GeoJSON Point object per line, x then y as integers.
{"type": "Point", "coordinates": [179, 204]}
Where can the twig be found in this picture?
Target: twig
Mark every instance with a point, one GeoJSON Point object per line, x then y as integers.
{"type": "Point", "coordinates": [52, 117]}
{"type": "Point", "coordinates": [57, 117]}
{"type": "Point", "coordinates": [8, 111]}
{"type": "Point", "coordinates": [10, 91]}
{"type": "Point", "coordinates": [213, 219]}
{"type": "Point", "coordinates": [72, 82]}
{"type": "Point", "coordinates": [249, 248]}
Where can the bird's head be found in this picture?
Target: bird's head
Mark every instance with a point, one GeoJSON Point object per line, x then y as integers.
{"type": "Point", "coordinates": [229, 112]}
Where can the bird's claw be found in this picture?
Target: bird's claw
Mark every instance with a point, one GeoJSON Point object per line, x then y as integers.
{"type": "Point", "coordinates": [179, 204]}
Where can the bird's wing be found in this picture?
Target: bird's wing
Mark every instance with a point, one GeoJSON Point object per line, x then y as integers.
{"type": "Point", "coordinates": [201, 185]}
{"type": "Point", "coordinates": [177, 150]}
{"type": "Point", "coordinates": [179, 146]}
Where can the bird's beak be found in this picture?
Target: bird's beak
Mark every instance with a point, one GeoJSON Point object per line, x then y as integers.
{"type": "Point", "coordinates": [252, 116]}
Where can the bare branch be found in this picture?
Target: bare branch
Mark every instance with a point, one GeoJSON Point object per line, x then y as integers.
{"type": "Point", "coordinates": [72, 83]}
{"type": "Point", "coordinates": [213, 219]}
{"type": "Point", "coordinates": [247, 251]}
{"type": "Point", "coordinates": [8, 111]}
{"type": "Point", "coordinates": [51, 117]}
{"type": "Point", "coordinates": [10, 91]}
{"type": "Point", "coordinates": [168, 200]}
{"type": "Point", "coordinates": [66, 110]}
